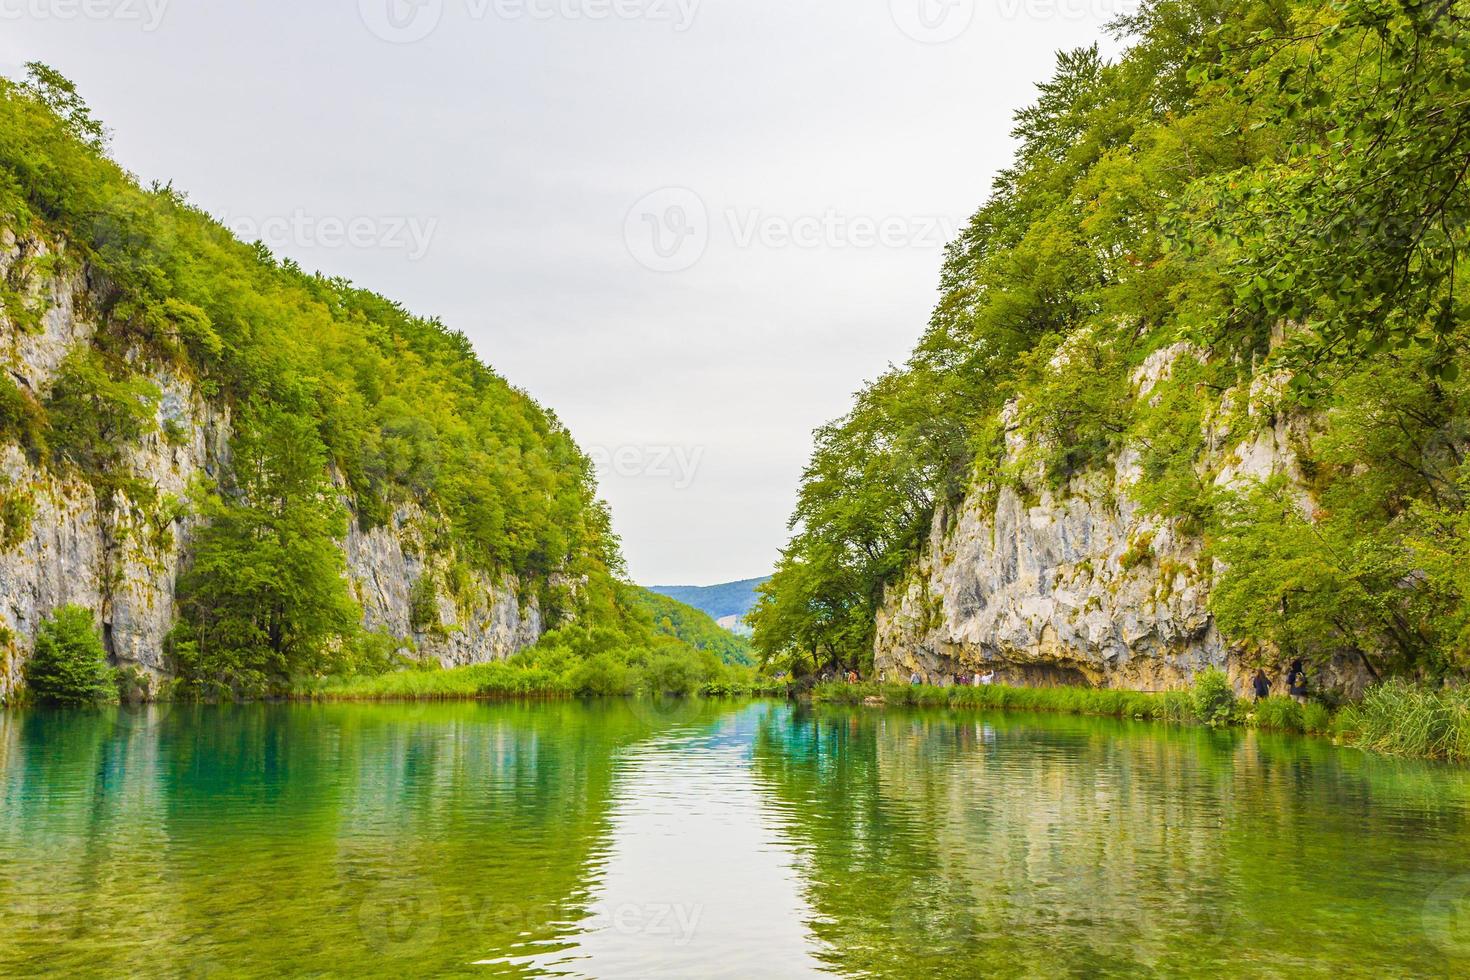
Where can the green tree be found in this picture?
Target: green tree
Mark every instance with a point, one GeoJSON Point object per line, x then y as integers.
{"type": "Point", "coordinates": [1254, 192]}
{"type": "Point", "coordinates": [405, 411]}
{"type": "Point", "coordinates": [59, 95]}
{"type": "Point", "coordinates": [96, 410]}
{"type": "Point", "coordinates": [266, 596]}
{"type": "Point", "coordinates": [68, 665]}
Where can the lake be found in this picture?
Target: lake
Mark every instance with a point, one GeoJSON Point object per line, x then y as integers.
{"type": "Point", "coordinates": [689, 839]}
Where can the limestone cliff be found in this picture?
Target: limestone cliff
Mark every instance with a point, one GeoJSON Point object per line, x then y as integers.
{"type": "Point", "coordinates": [1081, 584]}
{"type": "Point", "coordinates": [122, 557]}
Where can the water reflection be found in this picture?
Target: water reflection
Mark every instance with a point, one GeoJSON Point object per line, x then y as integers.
{"type": "Point", "coordinates": [697, 880]}
{"type": "Point", "coordinates": [953, 845]}
{"type": "Point", "coordinates": [713, 840]}
{"type": "Point", "coordinates": [263, 840]}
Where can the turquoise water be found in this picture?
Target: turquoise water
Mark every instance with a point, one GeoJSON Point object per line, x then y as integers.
{"type": "Point", "coordinates": [714, 840]}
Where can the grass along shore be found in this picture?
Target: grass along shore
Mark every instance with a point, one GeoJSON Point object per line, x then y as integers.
{"type": "Point", "coordinates": [509, 680]}
{"type": "Point", "coordinates": [1395, 718]}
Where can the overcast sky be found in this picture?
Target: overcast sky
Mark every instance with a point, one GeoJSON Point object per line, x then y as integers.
{"type": "Point", "coordinates": [692, 228]}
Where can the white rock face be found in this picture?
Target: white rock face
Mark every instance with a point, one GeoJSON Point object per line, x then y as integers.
{"type": "Point", "coordinates": [123, 560]}
{"type": "Point", "coordinates": [1080, 586]}
{"type": "Point", "coordinates": [489, 623]}
{"type": "Point", "coordinates": [1077, 588]}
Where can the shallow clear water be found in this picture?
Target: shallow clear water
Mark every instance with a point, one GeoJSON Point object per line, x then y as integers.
{"type": "Point", "coordinates": [692, 840]}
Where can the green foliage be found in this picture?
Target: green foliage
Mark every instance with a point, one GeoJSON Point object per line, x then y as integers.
{"type": "Point", "coordinates": [1403, 719]}
{"type": "Point", "coordinates": [17, 508]}
{"type": "Point", "coordinates": [96, 410]}
{"type": "Point", "coordinates": [865, 503]}
{"type": "Point", "coordinates": [423, 604]}
{"type": "Point", "coordinates": [1109, 702]}
{"type": "Point", "coordinates": [504, 680]}
{"type": "Point", "coordinates": [605, 675]}
{"type": "Point", "coordinates": [1213, 697]}
{"type": "Point", "coordinates": [673, 618]}
{"type": "Point", "coordinates": [1316, 719]}
{"type": "Point", "coordinates": [266, 596]}
{"type": "Point", "coordinates": [1280, 714]}
{"type": "Point", "coordinates": [68, 665]}
{"type": "Point", "coordinates": [22, 419]}
{"type": "Point", "coordinates": [1356, 225]}
{"type": "Point", "coordinates": [1371, 558]}
{"type": "Point", "coordinates": [60, 96]}
{"type": "Point", "coordinates": [402, 409]}
{"type": "Point", "coordinates": [1273, 201]}
{"type": "Point", "coordinates": [670, 675]}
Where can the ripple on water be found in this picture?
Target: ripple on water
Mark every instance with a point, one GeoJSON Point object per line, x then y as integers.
{"type": "Point", "coordinates": [714, 840]}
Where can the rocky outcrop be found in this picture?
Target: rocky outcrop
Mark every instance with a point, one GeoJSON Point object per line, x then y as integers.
{"type": "Point", "coordinates": [477, 623]}
{"type": "Point", "coordinates": [1080, 585]}
{"type": "Point", "coordinates": [121, 556]}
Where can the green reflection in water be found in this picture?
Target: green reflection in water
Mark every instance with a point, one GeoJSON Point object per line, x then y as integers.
{"type": "Point", "coordinates": [761, 839]}
{"type": "Point", "coordinates": [950, 844]}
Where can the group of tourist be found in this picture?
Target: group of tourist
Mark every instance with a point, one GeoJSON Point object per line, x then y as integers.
{"type": "Point", "coordinates": [1296, 683]}
{"type": "Point", "coordinates": [960, 680]}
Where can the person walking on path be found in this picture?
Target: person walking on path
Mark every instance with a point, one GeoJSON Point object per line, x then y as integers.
{"type": "Point", "coordinates": [1262, 685]}
{"type": "Point", "coordinates": [1296, 682]}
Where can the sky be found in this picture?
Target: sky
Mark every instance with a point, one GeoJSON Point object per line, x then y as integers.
{"type": "Point", "coordinates": [691, 228]}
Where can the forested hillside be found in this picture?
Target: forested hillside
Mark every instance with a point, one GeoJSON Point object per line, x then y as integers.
{"type": "Point", "coordinates": [1246, 232]}
{"type": "Point", "coordinates": [695, 627]}
{"type": "Point", "coordinates": [215, 425]}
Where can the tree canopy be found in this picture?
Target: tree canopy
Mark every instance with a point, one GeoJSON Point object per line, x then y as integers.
{"type": "Point", "coordinates": [1280, 185]}
{"type": "Point", "coordinates": [336, 394]}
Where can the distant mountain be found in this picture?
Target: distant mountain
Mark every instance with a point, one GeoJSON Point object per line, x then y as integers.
{"type": "Point", "coordinates": [726, 604]}
{"type": "Point", "coordinates": [683, 622]}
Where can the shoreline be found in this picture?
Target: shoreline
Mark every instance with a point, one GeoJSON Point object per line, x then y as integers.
{"type": "Point", "coordinates": [1393, 719]}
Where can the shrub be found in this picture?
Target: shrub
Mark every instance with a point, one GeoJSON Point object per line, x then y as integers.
{"type": "Point", "coordinates": [95, 412]}
{"type": "Point", "coordinates": [667, 673]}
{"type": "Point", "coordinates": [1316, 718]}
{"type": "Point", "coordinates": [69, 665]}
{"type": "Point", "coordinates": [134, 685]}
{"type": "Point", "coordinates": [1213, 697]}
{"type": "Point", "coordinates": [1176, 706]}
{"type": "Point", "coordinates": [423, 604]}
{"type": "Point", "coordinates": [22, 420]}
{"type": "Point", "coordinates": [604, 675]}
{"type": "Point", "coordinates": [17, 508]}
{"type": "Point", "coordinates": [1280, 714]}
{"type": "Point", "coordinates": [1399, 718]}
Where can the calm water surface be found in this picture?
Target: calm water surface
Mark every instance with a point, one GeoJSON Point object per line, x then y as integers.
{"type": "Point", "coordinates": [714, 840]}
